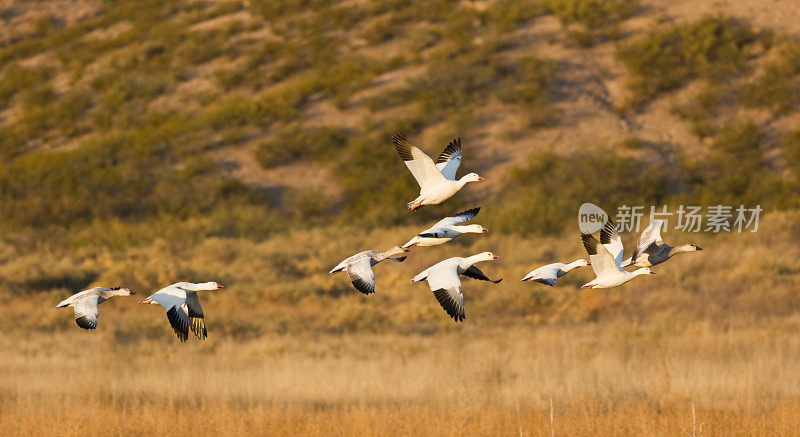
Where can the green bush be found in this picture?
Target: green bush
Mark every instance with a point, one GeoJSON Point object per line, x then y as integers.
{"type": "Point", "coordinates": [296, 141]}
{"type": "Point", "coordinates": [594, 18]}
{"type": "Point", "coordinates": [664, 59]}
{"type": "Point", "coordinates": [544, 195]}
{"type": "Point", "coordinates": [779, 87]}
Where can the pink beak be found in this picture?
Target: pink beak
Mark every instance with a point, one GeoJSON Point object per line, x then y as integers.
{"type": "Point", "coordinates": [484, 230]}
{"type": "Point", "coordinates": [480, 178]}
{"type": "Point", "coordinates": [219, 286]}
{"type": "Point", "coordinates": [495, 257]}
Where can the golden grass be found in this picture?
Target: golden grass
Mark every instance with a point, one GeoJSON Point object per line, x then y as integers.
{"type": "Point", "coordinates": [612, 378]}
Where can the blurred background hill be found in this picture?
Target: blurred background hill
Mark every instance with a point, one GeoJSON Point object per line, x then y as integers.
{"type": "Point", "coordinates": [247, 142]}
{"type": "Point", "coordinates": [136, 134]}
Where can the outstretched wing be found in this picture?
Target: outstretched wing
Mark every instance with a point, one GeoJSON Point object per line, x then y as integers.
{"type": "Point", "coordinates": [420, 164]}
{"type": "Point", "coordinates": [86, 311]}
{"type": "Point", "coordinates": [362, 276]}
{"type": "Point", "coordinates": [450, 159]}
{"type": "Point", "coordinates": [446, 287]}
{"type": "Point", "coordinates": [650, 235]}
{"type": "Point", "coordinates": [197, 321]}
{"type": "Point", "coordinates": [452, 300]}
{"type": "Point", "coordinates": [178, 317]}
{"type": "Point", "coordinates": [475, 273]}
{"type": "Point", "coordinates": [461, 217]}
{"type": "Point", "coordinates": [601, 259]}
{"type": "Point", "coordinates": [609, 237]}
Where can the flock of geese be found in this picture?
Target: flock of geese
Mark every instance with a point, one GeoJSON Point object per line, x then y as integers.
{"type": "Point", "coordinates": [437, 182]}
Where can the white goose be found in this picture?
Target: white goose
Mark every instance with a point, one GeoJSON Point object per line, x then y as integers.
{"type": "Point", "coordinates": [85, 304]}
{"type": "Point", "coordinates": [359, 267]}
{"type": "Point", "coordinates": [550, 273]}
{"type": "Point", "coordinates": [183, 307]}
{"type": "Point", "coordinates": [437, 182]}
{"type": "Point", "coordinates": [446, 229]}
{"type": "Point", "coordinates": [446, 286]}
{"type": "Point", "coordinates": [605, 264]}
{"type": "Point", "coordinates": [651, 249]}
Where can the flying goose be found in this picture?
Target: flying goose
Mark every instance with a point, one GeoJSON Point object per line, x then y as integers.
{"type": "Point", "coordinates": [86, 304]}
{"type": "Point", "coordinates": [651, 249]}
{"type": "Point", "coordinates": [437, 181]}
{"type": "Point", "coordinates": [446, 286]}
{"type": "Point", "coordinates": [359, 267]}
{"type": "Point", "coordinates": [183, 307]}
{"type": "Point", "coordinates": [605, 264]}
{"type": "Point", "coordinates": [446, 229]}
{"type": "Point", "coordinates": [550, 273]}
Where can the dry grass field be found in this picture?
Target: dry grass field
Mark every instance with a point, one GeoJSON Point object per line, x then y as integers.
{"type": "Point", "coordinates": [614, 379]}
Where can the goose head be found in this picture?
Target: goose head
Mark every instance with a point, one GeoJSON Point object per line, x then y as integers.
{"type": "Point", "coordinates": [580, 263]}
{"type": "Point", "coordinates": [474, 229]}
{"type": "Point", "coordinates": [123, 292]}
{"type": "Point", "coordinates": [470, 177]}
{"type": "Point", "coordinates": [485, 256]}
{"type": "Point", "coordinates": [644, 271]}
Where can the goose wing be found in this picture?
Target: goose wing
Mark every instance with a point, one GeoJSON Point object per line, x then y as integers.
{"type": "Point", "coordinates": [178, 317]}
{"type": "Point", "coordinates": [450, 159]}
{"type": "Point", "coordinates": [446, 288]}
{"type": "Point", "coordinates": [650, 235]}
{"type": "Point", "coordinates": [197, 321]}
{"type": "Point", "coordinates": [475, 273]}
{"type": "Point", "coordinates": [420, 164]}
{"type": "Point", "coordinates": [609, 237]}
{"type": "Point", "coordinates": [461, 217]}
{"type": "Point", "coordinates": [361, 275]}
{"type": "Point", "coordinates": [87, 312]}
{"type": "Point", "coordinates": [545, 274]}
{"type": "Point", "coordinates": [603, 262]}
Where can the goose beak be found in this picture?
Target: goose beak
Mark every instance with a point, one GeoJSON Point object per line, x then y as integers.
{"type": "Point", "coordinates": [484, 230]}
{"type": "Point", "coordinates": [652, 272]}
{"type": "Point", "coordinates": [588, 263]}
{"type": "Point", "coordinates": [146, 301]}
{"type": "Point", "coordinates": [495, 257]}
{"type": "Point", "coordinates": [480, 178]}
{"type": "Point", "coordinates": [219, 286]}
{"type": "Point", "coordinates": [698, 248]}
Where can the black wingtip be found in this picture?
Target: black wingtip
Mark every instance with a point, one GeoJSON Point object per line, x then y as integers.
{"type": "Point", "coordinates": [86, 323]}
{"type": "Point", "coordinates": [589, 243]}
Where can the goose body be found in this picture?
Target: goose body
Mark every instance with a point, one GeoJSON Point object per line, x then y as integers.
{"type": "Point", "coordinates": [651, 248]}
{"type": "Point", "coordinates": [359, 267]}
{"type": "Point", "coordinates": [183, 308]}
{"type": "Point", "coordinates": [550, 273]}
{"type": "Point", "coordinates": [443, 280]}
{"type": "Point", "coordinates": [446, 229]}
{"type": "Point", "coordinates": [437, 181]}
{"type": "Point", "coordinates": [85, 304]}
{"type": "Point", "coordinates": [605, 264]}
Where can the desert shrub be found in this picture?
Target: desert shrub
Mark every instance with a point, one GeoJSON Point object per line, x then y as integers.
{"type": "Point", "coordinates": [543, 196]}
{"type": "Point", "coordinates": [736, 170]}
{"type": "Point", "coordinates": [702, 111]}
{"type": "Point", "coordinates": [664, 59]}
{"type": "Point", "coordinates": [779, 87]}
{"type": "Point", "coordinates": [536, 76]}
{"type": "Point", "coordinates": [593, 19]}
{"type": "Point", "coordinates": [456, 78]}
{"type": "Point", "coordinates": [790, 146]}
{"type": "Point", "coordinates": [296, 141]}
{"type": "Point", "coordinates": [16, 78]}
{"type": "Point", "coordinates": [506, 15]}
{"type": "Point", "coordinates": [231, 111]}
